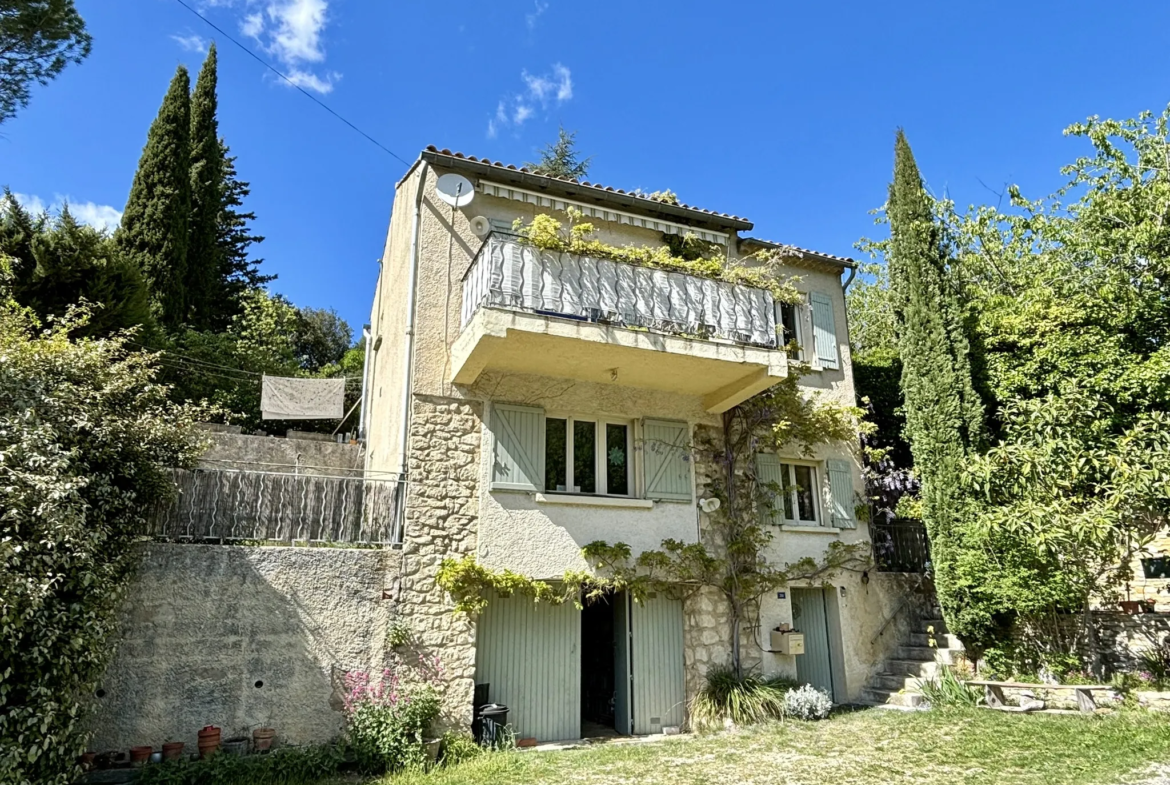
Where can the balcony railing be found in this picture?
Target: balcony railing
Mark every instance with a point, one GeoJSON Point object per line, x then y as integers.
{"type": "Point", "coordinates": [900, 546]}
{"type": "Point", "coordinates": [511, 274]}
{"type": "Point", "coordinates": [217, 504]}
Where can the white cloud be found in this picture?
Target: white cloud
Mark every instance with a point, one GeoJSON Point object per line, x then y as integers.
{"type": "Point", "coordinates": [546, 90]}
{"type": "Point", "coordinates": [190, 43]}
{"type": "Point", "coordinates": [538, 9]}
{"type": "Point", "coordinates": [292, 33]}
{"type": "Point", "coordinates": [99, 216]}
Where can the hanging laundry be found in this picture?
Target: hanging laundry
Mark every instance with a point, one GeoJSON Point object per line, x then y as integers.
{"type": "Point", "coordinates": [285, 398]}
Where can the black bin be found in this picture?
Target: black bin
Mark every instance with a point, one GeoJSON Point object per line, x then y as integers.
{"type": "Point", "coordinates": [489, 721]}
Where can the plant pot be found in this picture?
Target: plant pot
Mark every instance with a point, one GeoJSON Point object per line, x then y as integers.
{"type": "Point", "coordinates": [236, 746]}
{"type": "Point", "coordinates": [1148, 606]}
{"type": "Point", "coordinates": [86, 759]}
{"type": "Point", "coordinates": [432, 747]}
{"type": "Point", "coordinates": [172, 750]}
{"type": "Point", "coordinates": [208, 740]}
{"type": "Point", "coordinates": [262, 739]}
{"type": "Point", "coordinates": [140, 755]}
{"type": "Point", "coordinates": [1131, 607]}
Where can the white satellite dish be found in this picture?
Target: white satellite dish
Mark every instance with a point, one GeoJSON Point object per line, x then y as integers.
{"type": "Point", "coordinates": [455, 189]}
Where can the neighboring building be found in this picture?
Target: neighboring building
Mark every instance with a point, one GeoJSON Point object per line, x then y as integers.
{"type": "Point", "coordinates": [520, 392]}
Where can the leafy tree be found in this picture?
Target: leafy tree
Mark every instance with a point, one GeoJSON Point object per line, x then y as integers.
{"type": "Point", "coordinates": [322, 338]}
{"type": "Point", "coordinates": [205, 263]}
{"type": "Point", "coordinates": [66, 263]}
{"type": "Point", "coordinates": [154, 230]}
{"type": "Point", "coordinates": [38, 38]}
{"type": "Point", "coordinates": [240, 274]}
{"type": "Point", "coordinates": [86, 434]}
{"type": "Point", "coordinates": [560, 158]}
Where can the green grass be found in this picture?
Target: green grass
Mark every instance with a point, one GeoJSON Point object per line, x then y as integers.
{"type": "Point", "coordinates": [957, 746]}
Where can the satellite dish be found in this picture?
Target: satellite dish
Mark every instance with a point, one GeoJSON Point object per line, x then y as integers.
{"type": "Point", "coordinates": [455, 189]}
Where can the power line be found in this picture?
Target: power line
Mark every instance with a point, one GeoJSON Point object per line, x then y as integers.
{"type": "Point", "coordinates": [281, 74]}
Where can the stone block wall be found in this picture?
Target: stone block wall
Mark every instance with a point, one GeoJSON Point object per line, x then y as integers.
{"type": "Point", "coordinates": [242, 637]}
{"type": "Point", "coordinates": [273, 454]}
{"type": "Point", "coordinates": [1156, 589]}
{"type": "Point", "coordinates": [442, 509]}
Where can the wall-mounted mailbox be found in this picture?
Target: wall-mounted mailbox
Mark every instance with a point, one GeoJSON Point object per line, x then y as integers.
{"type": "Point", "coordinates": [787, 642]}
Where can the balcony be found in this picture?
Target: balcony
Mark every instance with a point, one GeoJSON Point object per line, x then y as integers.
{"type": "Point", "coordinates": [531, 311]}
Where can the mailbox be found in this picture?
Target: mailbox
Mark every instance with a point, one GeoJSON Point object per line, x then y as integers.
{"type": "Point", "coordinates": [788, 642]}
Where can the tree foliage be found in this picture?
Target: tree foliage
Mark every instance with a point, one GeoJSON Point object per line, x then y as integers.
{"type": "Point", "coordinates": [205, 263]}
{"type": "Point", "coordinates": [38, 38]}
{"type": "Point", "coordinates": [85, 433]}
{"type": "Point", "coordinates": [561, 159]}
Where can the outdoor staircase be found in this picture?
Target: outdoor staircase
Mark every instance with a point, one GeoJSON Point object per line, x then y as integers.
{"type": "Point", "coordinates": [897, 683]}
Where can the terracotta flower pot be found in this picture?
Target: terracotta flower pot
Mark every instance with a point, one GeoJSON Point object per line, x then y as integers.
{"type": "Point", "coordinates": [172, 750]}
{"type": "Point", "coordinates": [208, 740]}
{"type": "Point", "coordinates": [140, 755]}
{"type": "Point", "coordinates": [262, 739]}
{"type": "Point", "coordinates": [1131, 607]}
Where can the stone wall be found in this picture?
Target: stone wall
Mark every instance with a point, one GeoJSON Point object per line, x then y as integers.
{"type": "Point", "coordinates": [1125, 638]}
{"type": "Point", "coordinates": [242, 637]}
{"type": "Point", "coordinates": [1156, 589]}
{"type": "Point", "coordinates": [442, 509]}
{"type": "Point", "coordinates": [273, 454]}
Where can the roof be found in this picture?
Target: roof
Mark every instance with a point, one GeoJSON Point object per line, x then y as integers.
{"type": "Point", "coordinates": [583, 190]}
{"type": "Point", "coordinates": [843, 261]}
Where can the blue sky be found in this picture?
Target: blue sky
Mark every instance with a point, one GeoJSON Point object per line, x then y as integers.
{"type": "Point", "coordinates": [782, 112]}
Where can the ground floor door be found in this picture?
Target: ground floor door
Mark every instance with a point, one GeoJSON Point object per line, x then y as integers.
{"type": "Point", "coordinates": [528, 653]}
{"type": "Point", "coordinates": [810, 616]}
{"type": "Point", "coordinates": [657, 675]}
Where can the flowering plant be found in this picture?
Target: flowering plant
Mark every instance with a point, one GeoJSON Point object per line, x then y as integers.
{"type": "Point", "coordinates": [387, 714]}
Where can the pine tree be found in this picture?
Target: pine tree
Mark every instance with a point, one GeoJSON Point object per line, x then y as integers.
{"type": "Point", "coordinates": [944, 415]}
{"type": "Point", "coordinates": [239, 274]}
{"type": "Point", "coordinates": [155, 224]}
{"type": "Point", "coordinates": [560, 159]}
{"type": "Point", "coordinates": [202, 281]}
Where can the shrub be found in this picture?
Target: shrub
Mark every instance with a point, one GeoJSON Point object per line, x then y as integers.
{"type": "Point", "coordinates": [283, 766]}
{"type": "Point", "coordinates": [387, 719]}
{"type": "Point", "coordinates": [807, 703]}
{"type": "Point", "coordinates": [741, 700]}
{"type": "Point", "coordinates": [457, 748]}
{"type": "Point", "coordinates": [947, 690]}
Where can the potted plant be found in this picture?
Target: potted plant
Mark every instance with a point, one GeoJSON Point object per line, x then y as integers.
{"type": "Point", "coordinates": [208, 740]}
{"type": "Point", "coordinates": [172, 750]}
{"type": "Point", "coordinates": [1131, 607]}
{"type": "Point", "coordinates": [140, 755]}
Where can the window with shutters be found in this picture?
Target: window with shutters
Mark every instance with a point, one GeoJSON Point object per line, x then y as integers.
{"type": "Point", "coordinates": [793, 491]}
{"type": "Point", "coordinates": [789, 317]}
{"type": "Point", "coordinates": [588, 455]}
{"type": "Point", "coordinates": [824, 338]}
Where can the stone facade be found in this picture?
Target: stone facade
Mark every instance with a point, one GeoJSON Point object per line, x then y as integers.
{"type": "Point", "coordinates": [1155, 589]}
{"type": "Point", "coordinates": [242, 637]}
{"type": "Point", "coordinates": [442, 509]}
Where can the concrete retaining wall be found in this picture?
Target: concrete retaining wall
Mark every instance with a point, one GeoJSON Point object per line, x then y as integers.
{"type": "Point", "coordinates": [242, 637]}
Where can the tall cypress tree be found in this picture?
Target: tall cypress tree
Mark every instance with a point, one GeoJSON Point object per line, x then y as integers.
{"type": "Point", "coordinates": [154, 230]}
{"type": "Point", "coordinates": [944, 415]}
{"type": "Point", "coordinates": [204, 255]}
{"type": "Point", "coordinates": [240, 273]}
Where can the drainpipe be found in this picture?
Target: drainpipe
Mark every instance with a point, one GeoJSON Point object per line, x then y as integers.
{"type": "Point", "coordinates": [849, 280]}
{"type": "Point", "coordinates": [365, 382]}
{"type": "Point", "coordinates": [408, 349]}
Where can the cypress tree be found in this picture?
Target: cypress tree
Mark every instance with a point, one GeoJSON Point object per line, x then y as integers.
{"type": "Point", "coordinates": [154, 230]}
{"type": "Point", "coordinates": [239, 273]}
{"type": "Point", "coordinates": [944, 415]}
{"type": "Point", "coordinates": [203, 280]}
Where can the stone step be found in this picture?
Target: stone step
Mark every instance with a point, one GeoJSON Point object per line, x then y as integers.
{"type": "Point", "coordinates": [939, 625]}
{"type": "Point", "coordinates": [923, 670]}
{"type": "Point", "coordinates": [942, 640]}
{"type": "Point", "coordinates": [896, 682]}
{"type": "Point", "coordinates": [926, 654]}
{"type": "Point", "coordinates": [879, 697]}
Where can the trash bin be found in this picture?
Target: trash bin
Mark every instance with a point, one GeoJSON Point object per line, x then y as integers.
{"type": "Point", "coordinates": [490, 719]}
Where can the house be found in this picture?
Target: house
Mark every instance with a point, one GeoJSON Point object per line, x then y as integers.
{"type": "Point", "coordinates": [519, 392]}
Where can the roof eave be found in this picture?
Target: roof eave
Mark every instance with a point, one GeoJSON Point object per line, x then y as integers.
{"type": "Point", "coordinates": [837, 261]}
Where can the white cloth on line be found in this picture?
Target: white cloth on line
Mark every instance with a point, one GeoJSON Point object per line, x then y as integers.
{"type": "Point", "coordinates": [286, 398]}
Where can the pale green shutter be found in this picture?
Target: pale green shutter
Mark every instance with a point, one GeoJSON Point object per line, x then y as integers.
{"type": "Point", "coordinates": [518, 452]}
{"type": "Point", "coordinates": [770, 476]}
{"type": "Point", "coordinates": [824, 329]}
{"type": "Point", "coordinates": [667, 460]}
{"type": "Point", "coordinates": [841, 486]}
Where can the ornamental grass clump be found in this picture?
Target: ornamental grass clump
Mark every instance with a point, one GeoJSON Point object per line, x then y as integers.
{"type": "Point", "coordinates": [730, 699]}
{"type": "Point", "coordinates": [947, 690]}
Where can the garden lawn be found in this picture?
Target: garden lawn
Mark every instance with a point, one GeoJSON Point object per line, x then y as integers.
{"type": "Point", "coordinates": [869, 746]}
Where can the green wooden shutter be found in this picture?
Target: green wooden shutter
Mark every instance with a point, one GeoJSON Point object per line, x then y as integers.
{"type": "Point", "coordinates": [667, 460]}
{"type": "Point", "coordinates": [769, 471]}
{"type": "Point", "coordinates": [518, 452]}
{"type": "Point", "coordinates": [841, 485]}
{"type": "Point", "coordinates": [824, 329]}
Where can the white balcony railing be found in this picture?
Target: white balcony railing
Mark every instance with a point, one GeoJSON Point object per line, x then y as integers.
{"type": "Point", "coordinates": [511, 274]}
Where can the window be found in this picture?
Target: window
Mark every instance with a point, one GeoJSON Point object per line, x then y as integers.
{"type": "Point", "coordinates": [1156, 568]}
{"type": "Point", "coordinates": [796, 502]}
{"type": "Point", "coordinates": [790, 327]}
{"type": "Point", "coordinates": [587, 456]}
